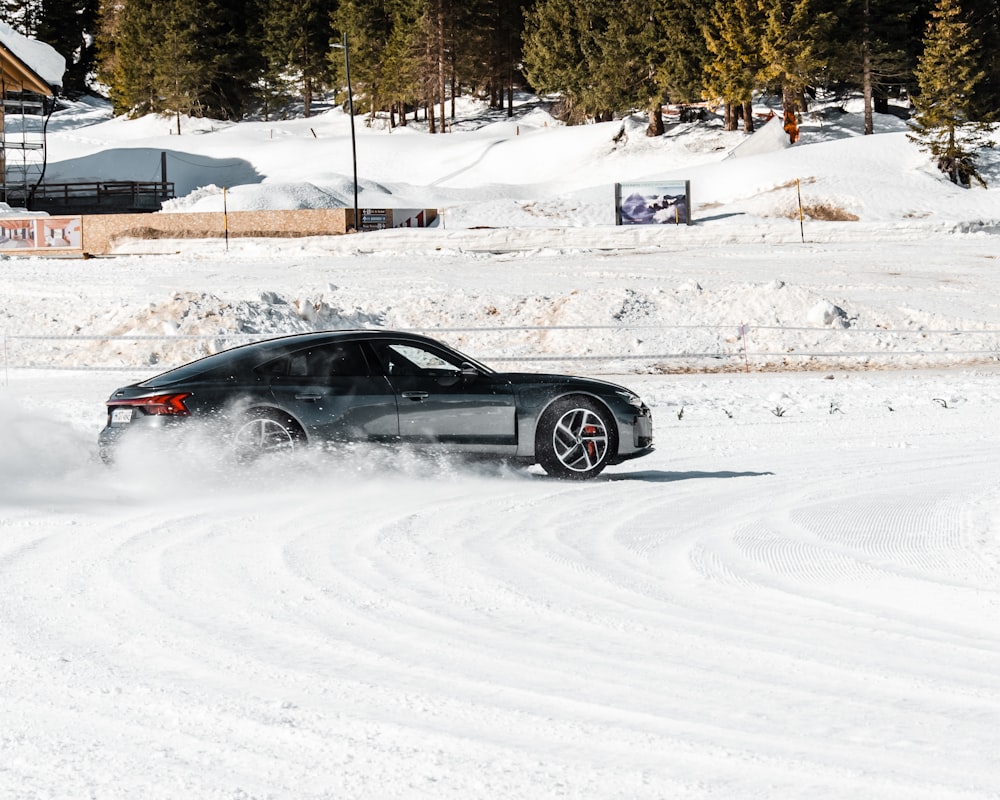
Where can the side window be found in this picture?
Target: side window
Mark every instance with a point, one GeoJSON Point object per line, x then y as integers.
{"type": "Point", "coordinates": [336, 360]}
{"type": "Point", "coordinates": [407, 359]}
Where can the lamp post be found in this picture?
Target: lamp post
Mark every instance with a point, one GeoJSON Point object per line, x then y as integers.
{"type": "Point", "coordinates": [350, 109]}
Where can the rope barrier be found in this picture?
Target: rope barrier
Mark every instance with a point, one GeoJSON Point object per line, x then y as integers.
{"type": "Point", "coordinates": [938, 355]}
{"type": "Point", "coordinates": [508, 329]}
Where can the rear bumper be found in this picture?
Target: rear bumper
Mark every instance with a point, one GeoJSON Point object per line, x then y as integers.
{"type": "Point", "coordinates": [110, 439]}
{"type": "Point", "coordinates": [107, 441]}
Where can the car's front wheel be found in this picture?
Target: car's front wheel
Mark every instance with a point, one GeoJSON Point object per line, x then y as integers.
{"type": "Point", "coordinates": [263, 431]}
{"type": "Point", "coordinates": [575, 438]}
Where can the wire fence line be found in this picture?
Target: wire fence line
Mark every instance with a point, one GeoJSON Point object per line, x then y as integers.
{"type": "Point", "coordinates": [607, 348]}
{"type": "Point", "coordinates": [510, 329]}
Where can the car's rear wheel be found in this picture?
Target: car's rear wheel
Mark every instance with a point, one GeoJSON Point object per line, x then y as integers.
{"type": "Point", "coordinates": [263, 431]}
{"type": "Point", "coordinates": [576, 438]}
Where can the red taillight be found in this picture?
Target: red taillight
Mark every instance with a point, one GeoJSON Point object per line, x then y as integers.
{"type": "Point", "coordinates": [167, 405]}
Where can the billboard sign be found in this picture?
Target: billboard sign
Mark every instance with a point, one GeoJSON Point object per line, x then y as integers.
{"type": "Point", "coordinates": [653, 203]}
{"type": "Point", "coordinates": [40, 235]}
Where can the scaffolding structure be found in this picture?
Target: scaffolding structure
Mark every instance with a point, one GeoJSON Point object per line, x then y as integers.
{"type": "Point", "coordinates": [22, 145]}
{"type": "Point", "coordinates": [24, 99]}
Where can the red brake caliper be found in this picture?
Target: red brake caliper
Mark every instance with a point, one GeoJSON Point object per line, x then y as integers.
{"type": "Point", "coordinates": [590, 430]}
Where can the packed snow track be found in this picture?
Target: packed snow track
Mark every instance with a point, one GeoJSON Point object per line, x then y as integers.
{"type": "Point", "coordinates": [793, 605]}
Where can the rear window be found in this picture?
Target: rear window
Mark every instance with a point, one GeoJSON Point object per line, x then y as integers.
{"type": "Point", "coordinates": [190, 371]}
{"type": "Point", "coordinates": [342, 359]}
{"type": "Point", "coordinates": [231, 362]}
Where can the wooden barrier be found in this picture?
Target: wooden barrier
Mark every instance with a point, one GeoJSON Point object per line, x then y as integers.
{"type": "Point", "coordinates": [102, 233]}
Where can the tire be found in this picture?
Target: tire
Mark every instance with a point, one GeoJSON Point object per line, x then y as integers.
{"type": "Point", "coordinates": [263, 431]}
{"type": "Point", "coordinates": [576, 438]}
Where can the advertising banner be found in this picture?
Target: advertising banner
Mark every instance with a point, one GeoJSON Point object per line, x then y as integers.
{"type": "Point", "coordinates": [40, 235]}
{"type": "Point", "coordinates": [653, 203]}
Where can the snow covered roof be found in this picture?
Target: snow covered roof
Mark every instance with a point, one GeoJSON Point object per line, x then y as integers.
{"type": "Point", "coordinates": [28, 63]}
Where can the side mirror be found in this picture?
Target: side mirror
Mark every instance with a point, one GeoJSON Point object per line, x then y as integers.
{"type": "Point", "coordinates": [466, 374]}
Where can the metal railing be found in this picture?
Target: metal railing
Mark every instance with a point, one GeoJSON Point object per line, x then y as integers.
{"type": "Point", "coordinates": [131, 193]}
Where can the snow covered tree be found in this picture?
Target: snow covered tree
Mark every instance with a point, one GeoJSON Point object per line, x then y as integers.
{"type": "Point", "coordinates": [948, 73]}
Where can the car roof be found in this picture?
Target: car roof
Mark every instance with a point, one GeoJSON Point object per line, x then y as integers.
{"type": "Point", "coordinates": [281, 344]}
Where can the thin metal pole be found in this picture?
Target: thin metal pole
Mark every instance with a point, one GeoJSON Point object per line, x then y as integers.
{"type": "Point", "coordinates": [354, 147]}
{"type": "Point", "coordinates": [802, 230]}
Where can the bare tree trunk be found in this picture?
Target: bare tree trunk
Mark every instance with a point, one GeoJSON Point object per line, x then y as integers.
{"type": "Point", "coordinates": [866, 69]}
{"type": "Point", "coordinates": [441, 71]}
{"type": "Point", "coordinates": [789, 104]}
{"type": "Point", "coordinates": [748, 116]}
{"type": "Point", "coordinates": [655, 126]}
{"type": "Point", "coordinates": [510, 90]}
{"type": "Point", "coordinates": [729, 116]}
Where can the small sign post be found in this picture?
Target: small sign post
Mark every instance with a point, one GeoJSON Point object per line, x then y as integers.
{"type": "Point", "coordinates": [743, 332]}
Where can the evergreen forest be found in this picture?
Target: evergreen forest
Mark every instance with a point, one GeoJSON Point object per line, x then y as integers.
{"type": "Point", "coordinates": [409, 59]}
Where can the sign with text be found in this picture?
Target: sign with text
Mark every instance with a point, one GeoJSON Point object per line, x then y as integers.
{"type": "Point", "coordinates": [653, 203]}
{"type": "Point", "coordinates": [377, 219]}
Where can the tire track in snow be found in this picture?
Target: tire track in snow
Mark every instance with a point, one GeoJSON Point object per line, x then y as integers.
{"type": "Point", "coordinates": [474, 632]}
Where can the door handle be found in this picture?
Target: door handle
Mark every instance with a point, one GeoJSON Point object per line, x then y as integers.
{"type": "Point", "coordinates": [416, 396]}
{"type": "Point", "coordinates": [310, 397]}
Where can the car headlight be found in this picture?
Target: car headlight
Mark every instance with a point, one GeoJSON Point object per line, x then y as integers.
{"type": "Point", "coordinates": [631, 398]}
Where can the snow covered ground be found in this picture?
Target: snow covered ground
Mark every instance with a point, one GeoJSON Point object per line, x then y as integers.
{"type": "Point", "coordinates": [795, 596]}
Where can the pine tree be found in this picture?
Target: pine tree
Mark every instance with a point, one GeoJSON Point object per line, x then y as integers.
{"type": "Point", "coordinates": [791, 51]}
{"type": "Point", "coordinates": [622, 52]}
{"type": "Point", "coordinates": [680, 57]}
{"type": "Point", "coordinates": [503, 23]}
{"type": "Point", "coordinates": [984, 17]}
{"type": "Point", "coordinates": [69, 27]}
{"type": "Point", "coordinates": [948, 74]}
{"type": "Point", "coordinates": [733, 34]}
{"type": "Point", "coordinates": [24, 16]}
{"type": "Point", "coordinates": [871, 49]}
{"type": "Point", "coordinates": [297, 42]}
{"type": "Point", "coordinates": [181, 56]}
{"type": "Point", "coordinates": [595, 53]}
{"type": "Point", "coordinates": [128, 35]}
{"type": "Point", "coordinates": [368, 28]}
{"type": "Point", "coordinates": [554, 59]}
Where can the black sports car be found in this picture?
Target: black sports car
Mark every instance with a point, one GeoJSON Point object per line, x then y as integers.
{"type": "Point", "coordinates": [384, 386]}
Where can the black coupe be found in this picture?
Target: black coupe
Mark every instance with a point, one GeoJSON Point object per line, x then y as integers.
{"type": "Point", "coordinates": [385, 386]}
